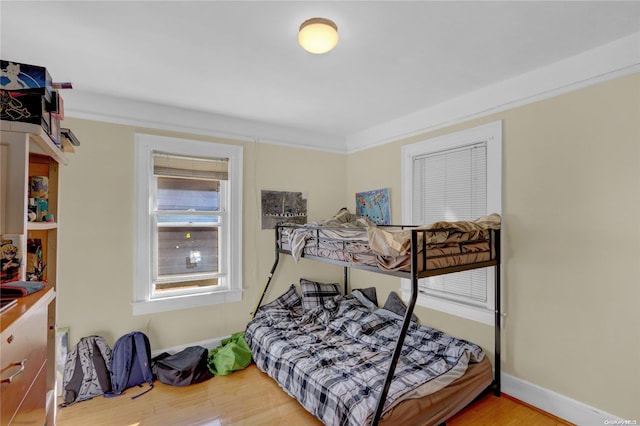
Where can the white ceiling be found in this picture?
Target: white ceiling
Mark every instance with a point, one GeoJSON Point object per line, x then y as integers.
{"type": "Point", "coordinates": [241, 59]}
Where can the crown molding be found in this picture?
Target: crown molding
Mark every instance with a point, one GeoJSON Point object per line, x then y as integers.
{"type": "Point", "coordinates": [607, 62]}
{"type": "Point", "coordinates": [112, 109]}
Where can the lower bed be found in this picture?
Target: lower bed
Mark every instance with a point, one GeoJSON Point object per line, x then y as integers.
{"type": "Point", "coordinates": [441, 405]}
{"type": "Point", "coordinates": [333, 359]}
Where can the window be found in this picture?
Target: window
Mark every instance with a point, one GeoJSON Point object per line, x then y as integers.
{"type": "Point", "coordinates": [188, 220]}
{"type": "Point", "coordinates": [455, 177]}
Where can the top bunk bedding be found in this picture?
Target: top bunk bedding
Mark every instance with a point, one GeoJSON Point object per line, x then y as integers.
{"type": "Point", "coordinates": [354, 241]}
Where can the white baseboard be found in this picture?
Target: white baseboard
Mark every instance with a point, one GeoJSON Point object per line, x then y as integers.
{"type": "Point", "coordinates": [209, 344]}
{"type": "Point", "coordinates": [554, 403]}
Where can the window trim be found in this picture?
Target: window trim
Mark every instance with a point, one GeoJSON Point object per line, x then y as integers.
{"type": "Point", "coordinates": [221, 215]}
{"type": "Point", "coordinates": [144, 146]}
{"type": "Point", "coordinates": [492, 134]}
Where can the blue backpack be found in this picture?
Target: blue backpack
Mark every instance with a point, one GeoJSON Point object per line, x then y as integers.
{"type": "Point", "coordinates": [131, 363]}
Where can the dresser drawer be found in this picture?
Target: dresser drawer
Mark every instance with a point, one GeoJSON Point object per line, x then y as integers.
{"type": "Point", "coordinates": [33, 411]}
{"type": "Point", "coordinates": [24, 351]}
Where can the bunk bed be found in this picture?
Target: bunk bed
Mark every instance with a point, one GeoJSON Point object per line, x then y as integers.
{"type": "Point", "coordinates": [411, 252]}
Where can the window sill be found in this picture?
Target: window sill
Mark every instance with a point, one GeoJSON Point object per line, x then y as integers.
{"type": "Point", "coordinates": [153, 306]}
{"type": "Point", "coordinates": [481, 315]}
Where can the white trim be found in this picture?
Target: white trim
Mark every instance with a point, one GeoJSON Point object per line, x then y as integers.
{"type": "Point", "coordinates": [112, 109]}
{"type": "Point", "coordinates": [559, 405]}
{"type": "Point", "coordinates": [492, 134]}
{"type": "Point", "coordinates": [152, 306]}
{"type": "Point", "coordinates": [604, 63]}
{"type": "Point", "coordinates": [232, 292]}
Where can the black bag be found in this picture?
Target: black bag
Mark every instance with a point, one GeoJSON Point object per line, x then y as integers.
{"type": "Point", "coordinates": [184, 368]}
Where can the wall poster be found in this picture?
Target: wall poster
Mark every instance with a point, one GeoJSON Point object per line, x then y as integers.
{"type": "Point", "coordinates": [374, 205]}
{"type": "Point", "coordinates": [283, 206]}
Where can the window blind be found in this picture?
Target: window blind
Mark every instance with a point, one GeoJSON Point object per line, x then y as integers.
{"type": "Point", "coordinates": [451, 185]}
{"type": "Point", "coordinates": [171, 165]}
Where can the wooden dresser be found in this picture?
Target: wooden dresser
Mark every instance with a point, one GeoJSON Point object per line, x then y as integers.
{"type": "Point", "coordinates": [23, 360]}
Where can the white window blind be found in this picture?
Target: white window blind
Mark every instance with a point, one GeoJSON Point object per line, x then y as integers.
{"type": "Point", "coordinates": [452, 185]}
{"type": "Point", "coordinates": [456, 176]}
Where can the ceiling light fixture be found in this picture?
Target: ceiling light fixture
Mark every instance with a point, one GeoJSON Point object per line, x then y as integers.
{"type": "Point", "coordinates": [318, 35]}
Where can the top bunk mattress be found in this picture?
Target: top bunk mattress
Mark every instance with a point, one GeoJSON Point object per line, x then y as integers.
{"type": "Point", "coordinates": [356, 242]}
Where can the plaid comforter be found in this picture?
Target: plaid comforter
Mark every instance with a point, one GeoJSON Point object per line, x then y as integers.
{"type": "Point", "coordinates": [334, 358]}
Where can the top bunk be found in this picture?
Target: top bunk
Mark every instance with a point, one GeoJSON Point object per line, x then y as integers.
{"type": "Point", "coordinates": [405, 251]}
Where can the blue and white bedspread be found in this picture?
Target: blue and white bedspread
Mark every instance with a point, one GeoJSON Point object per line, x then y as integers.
{"type": "Point", "coordinates": [334, 358]}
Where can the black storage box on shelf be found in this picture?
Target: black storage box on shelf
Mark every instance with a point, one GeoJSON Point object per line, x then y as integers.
{"type": "Point", "coordinates": [28, 106]}
{"type": "Point", "coordinates": [51, 98]}
{"type": "Point", "coordinates": [16, 76]}
{"type": "Point", "coordinates": [28, 96]}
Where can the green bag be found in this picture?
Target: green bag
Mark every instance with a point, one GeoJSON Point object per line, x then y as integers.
{"type": "Point", "coordinates": [234, 354]}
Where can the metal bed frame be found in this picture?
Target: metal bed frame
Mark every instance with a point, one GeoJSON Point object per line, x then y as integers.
{"type": "Point", "coordinates": [414, 275]}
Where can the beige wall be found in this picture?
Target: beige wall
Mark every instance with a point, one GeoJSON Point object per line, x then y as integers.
{"type": "Point", "coordinates": [96, 236]}
{"type": "Point", "coordinates": [571, 209]}
{"type": "Point", "coordinates": [571, 204]}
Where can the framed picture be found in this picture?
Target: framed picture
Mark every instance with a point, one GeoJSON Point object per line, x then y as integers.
{"type": "Point", "coordinates": [374, 205]}
{"type": "Point", "coordinates": [283, 206]}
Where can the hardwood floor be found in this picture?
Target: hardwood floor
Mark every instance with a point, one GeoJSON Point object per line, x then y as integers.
{"type": "Point", "coordinates": [250, 397]}
{"type": "Point", "coordinates": [504, 411]}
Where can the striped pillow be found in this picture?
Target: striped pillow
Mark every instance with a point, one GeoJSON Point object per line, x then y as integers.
{"type": "Point", "coordinates": [287, 300]}
{"type": "Point", "coordinates": [315, 293]}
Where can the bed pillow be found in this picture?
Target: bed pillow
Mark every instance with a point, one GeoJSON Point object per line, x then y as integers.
{"type": "Point", "coordinates": [397, 306]}
{"type": "Point", "coordinates": [364, 300]}
{"type": "Point", "coordinates": [287, 300]}
{"type": "Point", "coordinates": [369, 293]}
{"type": "Point", "coordinates": [315, 293]}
